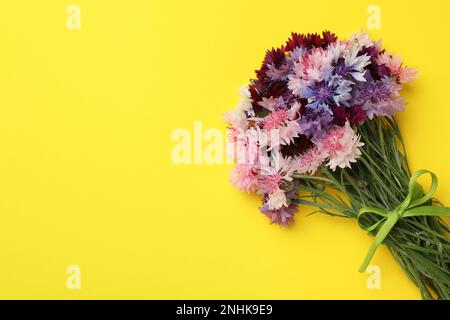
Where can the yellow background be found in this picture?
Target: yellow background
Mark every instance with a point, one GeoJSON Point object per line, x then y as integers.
{"type": "Point", "coordinates": [86, 176]}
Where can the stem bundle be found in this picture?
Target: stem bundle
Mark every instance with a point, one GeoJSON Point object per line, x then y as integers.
{"type": "Point", "coordinates": [380, 179]}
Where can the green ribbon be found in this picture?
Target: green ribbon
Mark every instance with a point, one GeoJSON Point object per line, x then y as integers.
{"type": "Point", "coordinates": [410, 207]}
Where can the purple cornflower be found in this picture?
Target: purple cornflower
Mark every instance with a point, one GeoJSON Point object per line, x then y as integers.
{"type": "Point", "coordinates": [380, 97]}
{"type": "Point", "coordinates": [315, 122]}
{"type": "Point", "coordinates": [283, 216]}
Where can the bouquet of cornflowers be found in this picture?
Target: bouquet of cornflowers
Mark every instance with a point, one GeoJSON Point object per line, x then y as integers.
{"type": "Point", "coordinates": [317, 127]}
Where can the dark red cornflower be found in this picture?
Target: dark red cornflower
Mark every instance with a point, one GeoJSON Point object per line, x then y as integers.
{"type": "Point", "coordinates": [328, 37]}
{"type": "Point", "coordinates": [255, 89]}
{"type": "Point", "coordinates": [370, 51]}
{"type": "Point", "coordinates": [291, 99]}
{"type": "Point", "coordinates": [354, 114]}
{"type": "Point", "coordinates": [276, 57]}
{"type": "Point", "coordinates": [300, 145]}
{"type": "Point", "coordinates": [264, 88]}
{"type": "Point", "coordinates": [358, 115]}
{"type": "Point", "coordinates": [376, 70]}
{"type": "Point", "coordinates": [310, 40]}
{"type": "Point", "coordinates": [296, 40]}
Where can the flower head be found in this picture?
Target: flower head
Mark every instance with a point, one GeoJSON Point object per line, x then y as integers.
{"type": "Point", "coordinates": [380, 98]}
{"type": "Point", "coordinates": [352, 64]}
{"type": "Point", "coordinates": [395, 66]}
{"type": "Point", "coordinates": [245, 177]}
{"type": "Point", "coordinates": [355, 114]}
{"type": "Point", "coordinates": [311, 160]}
{"type": "Point", "coordinates": [284, 215]}
{"type": "Point", "coordinates": [277, 200]}
{"type": "Point", "coordinates": [289, 132]}
{"type": "Point", "coordinates": [342, 146]}
{"type": "Point", "coordinates": [334, 89]}
{"type": "Point", "coordinates": [275, 119]}
{"type": "Point", "coordinates": [277, 171]}
{"type": "Point", "coordinates": [315, 122]}
{"type": "Point", "coordinates": [317, 62]}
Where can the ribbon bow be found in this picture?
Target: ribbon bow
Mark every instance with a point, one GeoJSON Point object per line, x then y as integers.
{"type": "Point", "coordinates": [410, 207]}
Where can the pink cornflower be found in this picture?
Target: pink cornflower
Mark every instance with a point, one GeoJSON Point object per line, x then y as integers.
{"type": "Point", "coordinates": [288, 132]}
{"type": "Point", "coordinates": [275, 119]}
{"type": "Point", "coordinates": [275, 173]}
{"type": "Point", "coordinates": [342, 146]}
{"type": "Point", "coordinates": [272, 103]}
{"type": "Point", "coordinates": [301, 66]}
{"type": "Point", "coordinates": [318, 60]}
{"type": "Point", "coordinates": [299, 80]}
{"type": "Point", "coordinates": [271, 182]}
{"type": "Point", "coordinates": [245, 177]}
{"type": "Point", "coordinates": [280, 128]}
{"type": "Point", "coordinates": [311, 160]}
{"type": "Point", "coordinates": [407, 75]}
{"type": "Point", "coordinates": [394, 64]}
{"type": "Point", "coordinates": [242, 146]}
{"type": "Point", "coordinates": [232, 134]}
{"type": "Point", "coordinates": [297, 84]}
{"type": "Point", "coordinates": [309, 68]}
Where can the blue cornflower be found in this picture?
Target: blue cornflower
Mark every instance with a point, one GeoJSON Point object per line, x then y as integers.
{"type": "Point", "coordinates": [353, 65]}
{"type": "Point", "coordinates": [332, 90]}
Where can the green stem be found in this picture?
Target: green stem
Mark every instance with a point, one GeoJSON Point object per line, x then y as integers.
{"type": "Point", "coordinates": [380, 179]}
